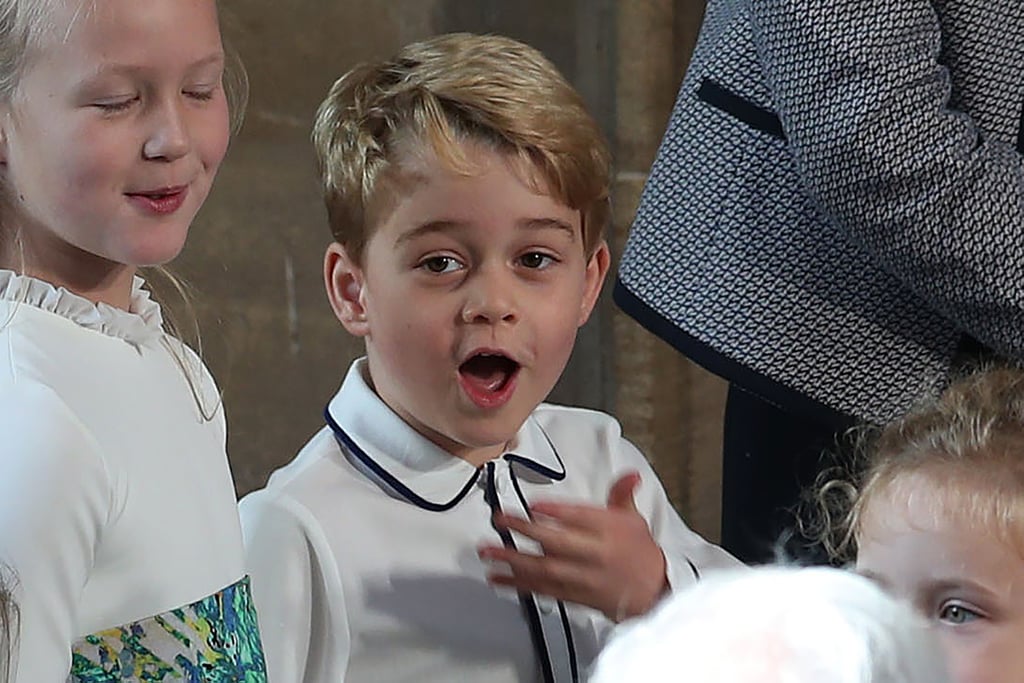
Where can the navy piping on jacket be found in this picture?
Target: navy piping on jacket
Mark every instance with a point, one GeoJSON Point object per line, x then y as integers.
{"type": "Point", "coordinates": [738, 107]}
{"type": "Point", "coordinates": [740, 375]}
{"type": "Point", "coordinates": [1020, 132]}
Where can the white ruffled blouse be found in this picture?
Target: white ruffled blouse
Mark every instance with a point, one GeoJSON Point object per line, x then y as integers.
{"type": "Point", "coordinates": [116, 501]}
{"type": "Point", "coordinates": [140, 324]}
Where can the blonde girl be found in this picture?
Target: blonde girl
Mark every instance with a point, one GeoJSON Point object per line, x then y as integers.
{"type": "Point", "coordinates": [938, 519]}
{"type": "Point", "coordinates": [117, 508]}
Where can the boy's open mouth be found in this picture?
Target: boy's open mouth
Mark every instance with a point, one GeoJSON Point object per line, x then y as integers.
{"type": "Point", "coordinates": [487, 373]}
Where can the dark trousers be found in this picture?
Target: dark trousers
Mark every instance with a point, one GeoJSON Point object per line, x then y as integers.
{"type": "Point", "coordinates": [770, 457]}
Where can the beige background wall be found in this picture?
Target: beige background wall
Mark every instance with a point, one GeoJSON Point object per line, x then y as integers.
{"type": "Point", "coordinates": [254, 256]}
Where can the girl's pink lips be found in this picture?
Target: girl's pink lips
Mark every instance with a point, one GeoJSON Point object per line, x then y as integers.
{"type": "Point", "coordinates": [161, 201]}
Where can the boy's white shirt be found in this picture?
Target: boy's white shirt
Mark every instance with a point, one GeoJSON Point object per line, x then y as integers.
{"type": "Point", "coordinates": [353, 580]}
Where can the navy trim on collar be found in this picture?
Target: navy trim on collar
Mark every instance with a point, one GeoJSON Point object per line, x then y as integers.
{"type": "Point", "coordinates": [349, 444]}
{"type": "Point", "coordinates": [392, 481]}
{"type": "Point", "coordinates": [536, 466]}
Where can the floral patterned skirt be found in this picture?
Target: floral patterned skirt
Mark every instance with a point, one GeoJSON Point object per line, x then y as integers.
{"type": "Point", "coordinates": [214, 640]}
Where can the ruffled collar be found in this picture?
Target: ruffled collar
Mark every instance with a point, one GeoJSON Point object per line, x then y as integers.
{"type": "Point", "coordinates": [141, 323]}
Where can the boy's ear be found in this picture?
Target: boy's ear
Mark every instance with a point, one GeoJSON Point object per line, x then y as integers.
{"type": "Point", "coordinates": [597, 269]}
{"type": "Point", "coordinates": [344, 282]}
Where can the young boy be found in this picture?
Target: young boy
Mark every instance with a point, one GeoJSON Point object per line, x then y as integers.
{"type": "Point", "coordinates": [446, 525]}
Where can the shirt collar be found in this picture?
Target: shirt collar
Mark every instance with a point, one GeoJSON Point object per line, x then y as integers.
{"type": "Point", "coordinates": [390, 451]}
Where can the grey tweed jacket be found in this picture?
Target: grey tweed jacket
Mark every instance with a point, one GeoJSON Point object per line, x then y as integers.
{"type": "Point", "coordinates": [839, 199]}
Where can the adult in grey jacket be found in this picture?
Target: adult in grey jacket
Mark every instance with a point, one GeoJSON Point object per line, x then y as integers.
{"type": "Point", "coordinates": [835, 215]}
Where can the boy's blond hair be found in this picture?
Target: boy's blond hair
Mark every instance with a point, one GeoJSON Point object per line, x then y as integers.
{"type": "Point", "coordinates": [434, 96]}
{"type": "Point", "coordinates": [967, 446]}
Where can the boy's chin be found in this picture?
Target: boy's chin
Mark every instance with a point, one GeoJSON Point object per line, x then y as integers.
{"type": "Point", "coordinates": [479, 447]}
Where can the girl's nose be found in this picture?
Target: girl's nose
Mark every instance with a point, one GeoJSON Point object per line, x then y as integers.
{"type": "Point", "coordinates": [168, 137]}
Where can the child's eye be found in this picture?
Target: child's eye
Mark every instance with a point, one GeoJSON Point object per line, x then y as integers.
{"type": "Point", "coordinates": [111, 106]}
{"type": "Point", "coordinates": [201, 94]}
{"type": "Point", "coordinates": [536, 260]}
{"type": "Point", "coordinates": [440, 264]}
{"type": "Point", "coordinates": [957, 614]}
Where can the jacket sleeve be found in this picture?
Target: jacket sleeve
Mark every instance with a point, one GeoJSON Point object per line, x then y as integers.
{"type": "Point", "coordinates": [55, 498]}
{"type": "Point", "coordinates": [863, 100]}
{"type": "Point", "coordinates": [299, 602]}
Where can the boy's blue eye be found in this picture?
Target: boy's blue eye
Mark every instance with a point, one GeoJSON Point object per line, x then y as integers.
{"type": "Point", "coordinates": [957, 614]}
{"type": "Point", "coordinates": [440, 264]}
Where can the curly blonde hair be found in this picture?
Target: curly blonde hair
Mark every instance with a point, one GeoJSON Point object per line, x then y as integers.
{"type": "Point", "coordinates": [968, 444]}
{"type": "Point", "coordinates": [440, 93]}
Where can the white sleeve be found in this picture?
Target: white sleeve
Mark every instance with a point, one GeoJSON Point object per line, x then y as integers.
{"type": "Point", "coordinates": [55, 498]}
{"type": "Point", "coordinates": [299, 602]}
{"type": "Point", "coordinates": [688, 556]}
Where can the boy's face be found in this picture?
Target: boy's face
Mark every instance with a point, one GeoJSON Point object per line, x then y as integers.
{"type": "Point", "coordinates": [967, 582]}
{"type": "Point", "coordinates": [469, 297]}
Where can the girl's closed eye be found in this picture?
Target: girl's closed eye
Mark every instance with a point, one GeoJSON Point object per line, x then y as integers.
{"type": "Point", "coordinates": [200, 95]}
{"type": "Point", "coordinates": [115, 104]}
{"type": "Point", "coordinates": [201, 92]}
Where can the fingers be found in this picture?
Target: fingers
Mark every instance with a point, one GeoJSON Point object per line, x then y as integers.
{"type": "Point", "coordinates": [593, 517]}
{"type": "Point", "coordinates": [556, 578]}
{"type": "Point", "coordinates": [553, 537]}
{"type": "Point", "coordinates": [620, 496]}
{"type": "Point", "coordinates": [570, 515]}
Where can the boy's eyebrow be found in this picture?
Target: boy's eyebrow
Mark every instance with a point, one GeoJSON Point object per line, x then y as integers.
{"type": "Point", "coordinates": [547, 223]}
{"type": "Point", "coordinates": [446, 226]}
{"type": "Point", "coordinates": [426, 229]}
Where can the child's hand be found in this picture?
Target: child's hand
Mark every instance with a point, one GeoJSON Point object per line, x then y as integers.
{"type": "Point", "coordinates": [604, 558]}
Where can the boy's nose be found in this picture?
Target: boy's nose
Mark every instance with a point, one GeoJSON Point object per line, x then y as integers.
{"type": "Point", "coordinates": [490, 301]}
{"type": "Point", "coordinates": [168, 136]}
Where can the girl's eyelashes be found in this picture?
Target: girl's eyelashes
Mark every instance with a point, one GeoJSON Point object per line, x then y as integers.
{"type": "Point", "coordinates": [202, 93]}
{"type": "Point", "coordinates": [957, 613]}
{"type": "Point", "coordinates": [112, 106]}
